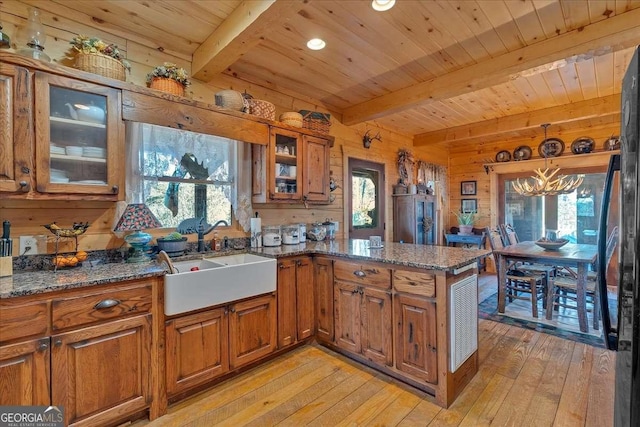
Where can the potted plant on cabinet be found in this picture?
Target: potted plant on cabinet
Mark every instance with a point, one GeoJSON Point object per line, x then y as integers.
{"type": "Point", "coordinates": [170, 78]}
{"type": "Point", "coordinates": [466, 221]}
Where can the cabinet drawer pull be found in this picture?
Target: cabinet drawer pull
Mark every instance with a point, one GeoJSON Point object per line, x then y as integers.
{"type": "Point", "coordinates": [359, 273]}
{"type": "Point", "coordinates": [106, 303]}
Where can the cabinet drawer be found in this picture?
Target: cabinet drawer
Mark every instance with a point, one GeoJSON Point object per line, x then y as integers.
{"type": "Point", "coordinates": [414, 283]}
{"type": "Point", "coordinates": [25, 320]}
{"type": "Point", "coordinates": [362, 273]}
{"type": "Point", "coordinates": [71, 312]}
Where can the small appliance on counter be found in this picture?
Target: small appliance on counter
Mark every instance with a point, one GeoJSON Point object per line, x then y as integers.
{"type": "Point", "coordinates": [302, 232]}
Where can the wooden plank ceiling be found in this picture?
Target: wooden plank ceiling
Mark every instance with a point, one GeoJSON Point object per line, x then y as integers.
{"type": "Point", "coordinates": [438, 70]}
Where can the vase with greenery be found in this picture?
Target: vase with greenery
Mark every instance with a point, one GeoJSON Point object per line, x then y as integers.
{"type": "Point", "coordinates": [168, 77]}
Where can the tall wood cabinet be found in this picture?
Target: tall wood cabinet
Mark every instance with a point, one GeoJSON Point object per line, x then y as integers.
{"type": "Point", "coordinates": [323, 273]}
{"type": "Point", "coordinates": [415, 219]}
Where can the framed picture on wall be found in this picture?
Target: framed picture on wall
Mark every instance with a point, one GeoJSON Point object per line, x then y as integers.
{"type": "Point", "coordinates": [468, 188]}
{"type": "Point", "coordinates": [469, 205]}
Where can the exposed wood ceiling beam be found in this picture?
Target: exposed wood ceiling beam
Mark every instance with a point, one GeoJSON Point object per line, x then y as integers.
{"type": "Point", "coordinates": [610, 35]}
{"type": "Point", "coordinates": [591, 108]}
{"type": "Point", "coordinates": [242, 30]}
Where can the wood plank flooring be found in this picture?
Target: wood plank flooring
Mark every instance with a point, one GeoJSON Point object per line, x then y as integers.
{"type": "Point", "coordinates": [526, 378]}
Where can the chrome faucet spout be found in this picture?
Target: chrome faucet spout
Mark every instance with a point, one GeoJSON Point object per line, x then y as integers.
{"type": "Point", "coordinates": [213, 227]}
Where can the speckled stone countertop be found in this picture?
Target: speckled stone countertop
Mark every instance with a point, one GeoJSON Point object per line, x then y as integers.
{"type": "Point", "coordinates": [421, 256]}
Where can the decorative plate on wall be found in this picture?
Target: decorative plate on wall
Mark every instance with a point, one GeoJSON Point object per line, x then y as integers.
{"type": "Point", "coordinates": [503, 156]}
{"type": "Point", "coordinates": [522, 153]}
{"type": "Point", "coordinates": [582, 145]}
{"type": "Point", "coordinates": [551, 147]}
{"type": "Point", "coordinates": [612, 143]}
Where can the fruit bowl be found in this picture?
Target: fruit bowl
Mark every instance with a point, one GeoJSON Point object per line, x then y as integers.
{"type": "Point", "coordinates": [551, 245]}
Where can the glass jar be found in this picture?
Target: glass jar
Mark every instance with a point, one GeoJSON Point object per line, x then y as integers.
{"type": "Point", "coordinates": [316, 232]}
{"type": "Point", "coordinates": [331, 229]}
{"type": "Point", "coordinates": [290, 234]}
{"type": "Point", "coordinates": [271, 235]}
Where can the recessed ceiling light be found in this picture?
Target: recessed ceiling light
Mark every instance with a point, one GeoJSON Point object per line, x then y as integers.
{"type": "Point", "coordinates": [316, 44]}
{"type": "Point", "coordinates": [382, 5]}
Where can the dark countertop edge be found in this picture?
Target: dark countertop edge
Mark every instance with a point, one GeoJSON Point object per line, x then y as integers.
{"type": "Point", "coordinates": [154, 270]}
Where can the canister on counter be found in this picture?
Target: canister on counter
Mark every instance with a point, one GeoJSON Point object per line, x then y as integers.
{"type": "Point", "coordinates": [302, 232]}
{"type": "Point", "coordinates": [290, 234]}
{"type": "Point", "coordinates": [331, 229]}
{"type": "Point", "coordinates": [316, 232]}
{"type": "Point", "coordinates": [271, 235]}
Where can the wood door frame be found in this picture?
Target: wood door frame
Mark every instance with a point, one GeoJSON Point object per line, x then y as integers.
{"type": "Point", "coordinates": [356, 163]}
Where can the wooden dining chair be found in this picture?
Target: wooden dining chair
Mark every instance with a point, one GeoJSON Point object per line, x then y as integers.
{"type": "Point", "coordinates": [519, 284]}
{"type": "Point", "coordinates": [510, 237]}
{"type": "Point", "coordinates": [564, 287]}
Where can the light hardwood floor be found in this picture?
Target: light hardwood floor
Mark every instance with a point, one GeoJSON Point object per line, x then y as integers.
{"type": "Point", "coordinates": [526, 378]}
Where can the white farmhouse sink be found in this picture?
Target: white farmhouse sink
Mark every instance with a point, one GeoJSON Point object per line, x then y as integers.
{"type": "Point", "coordinates": [219, 280]}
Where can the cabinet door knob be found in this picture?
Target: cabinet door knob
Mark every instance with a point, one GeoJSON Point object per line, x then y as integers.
{"type": "Point", "coordinates": [24, 185]}
{"type": "Point", "coordinates": [58, 343]}
{"type": "Point", "coordinates": [115, 189]}
{"type": "Point", "coordinates": [232, 309]}
{"type": "Point", "coordinates": [43, 346]}
{"type": "Point", "coordinates": [360, 291]}
{"type": "Point", "coordinates": [359, 273]}
{"type": "Point", "coordinates": [106, 303]}
{"type": "Point", "coordinates": [25, 169]}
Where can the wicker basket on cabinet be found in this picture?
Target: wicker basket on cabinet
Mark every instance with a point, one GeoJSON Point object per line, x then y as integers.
{"type": "Point", "coordinates": [167, 85]}
{"type": "Point", "coordinates": [100, 64]}
{"type": "Point", "coordinates": [315, 120]}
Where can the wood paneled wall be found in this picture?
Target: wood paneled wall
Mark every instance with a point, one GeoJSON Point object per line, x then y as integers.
{"type": "Point", "coordinates": [28, 217]}
{"type": "Point", "coordinates": [466, 163]}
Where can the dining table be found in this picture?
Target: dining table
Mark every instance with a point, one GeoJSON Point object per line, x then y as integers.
{"type": "Point", "coordinates": [571, 255]}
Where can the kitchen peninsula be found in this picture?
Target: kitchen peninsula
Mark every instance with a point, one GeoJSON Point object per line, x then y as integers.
{"type": "Point", "coordinates": [407, 310]}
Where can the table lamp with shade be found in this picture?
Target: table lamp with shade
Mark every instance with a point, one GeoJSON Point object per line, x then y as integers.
{"type": "Point", "coordinates": [136, 217]}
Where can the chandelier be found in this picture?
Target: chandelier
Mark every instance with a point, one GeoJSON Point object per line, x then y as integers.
{"type": "Point", "coordinates": [544, 182]}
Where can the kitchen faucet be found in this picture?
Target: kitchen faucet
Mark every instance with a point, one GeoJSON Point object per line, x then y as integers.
{"type": "Point", "coordinates": [202, 232]}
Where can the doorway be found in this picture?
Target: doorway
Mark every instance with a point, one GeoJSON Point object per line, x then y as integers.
{"type": "Point", "coordinates": [366, 199]}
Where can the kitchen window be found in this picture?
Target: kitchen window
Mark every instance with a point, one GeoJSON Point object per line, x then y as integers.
{"type": "Point", "coordinates": [181, 174]}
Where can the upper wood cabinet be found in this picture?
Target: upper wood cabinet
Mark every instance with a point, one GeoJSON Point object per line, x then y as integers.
{"type": "Point", "coordinates": [16, 129]}
{"type": "Point", "coordinates": [79, 139]}
{"type": "Point", "coordinates": [292, 168]}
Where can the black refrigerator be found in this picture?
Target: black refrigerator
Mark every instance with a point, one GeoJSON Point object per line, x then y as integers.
{"type": "Point", "coordinates": [621, 320]}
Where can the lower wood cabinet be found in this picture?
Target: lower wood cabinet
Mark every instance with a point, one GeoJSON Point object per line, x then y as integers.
{"type": "Point", "coordinates": [252, 330]}
{"type": "Point", "coordinates": [363, 321]}
{"type": "Point", "coordinates": [88, 350]}
{"type": "Point", "coordinates": [24, 373]}
{"type": "Point", "coordinates": [206, 345]}
{"type": "Point", "coordinates": [295, 300]}
{"type": "Point", "coordinates": [197, 349]}
{"type": "Point", "coordinates": [416, 344]}
{"type": "Point", "coordinates": [323, 274]}
{"type": "Point", "coordinates": [102, 370]}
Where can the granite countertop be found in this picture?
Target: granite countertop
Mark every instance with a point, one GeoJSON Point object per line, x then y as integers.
{"type": "Point", "coordinates": [421, 256]}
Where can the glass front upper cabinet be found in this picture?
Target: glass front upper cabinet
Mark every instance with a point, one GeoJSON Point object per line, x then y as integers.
{"type": "Point", "coordinates": [285, 151]}
{"type": "Point", "coordinates": [78, 137]}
